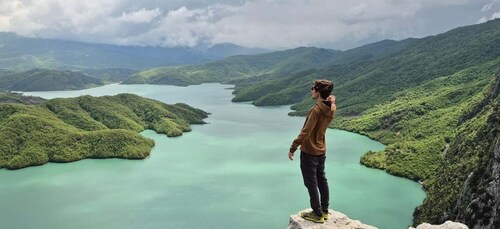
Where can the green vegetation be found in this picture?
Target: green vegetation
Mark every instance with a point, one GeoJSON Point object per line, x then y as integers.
{"type": "Point", "coordinates": [363, 83]}
{"type": "Point", "coordinates": [419, 124]}
{"type": "Point", "coordinates": [46, 80]}
{"type": "Point", "coordinates": [6, 97]}
{"type": "Point", "coordinates": [65, 130]}
{"type": "Point", "coordinates": [107, 74]}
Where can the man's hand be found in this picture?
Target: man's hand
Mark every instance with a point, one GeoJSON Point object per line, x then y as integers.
{"type": "Point", "coordinates": [290, 156]}
{"type": "Point", "coordinates": [332, 99]}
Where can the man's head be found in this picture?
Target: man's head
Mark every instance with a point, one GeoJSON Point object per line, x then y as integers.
{"type": "Point", "coordinates": [321, 88]}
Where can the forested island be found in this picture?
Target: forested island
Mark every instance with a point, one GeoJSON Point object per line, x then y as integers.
{"type": "Point", "coordinates": [34, 131]}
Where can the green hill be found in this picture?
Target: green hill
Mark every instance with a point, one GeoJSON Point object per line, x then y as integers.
{"type": "Point", "coordinates": [65, 130]}
{"type": "Point", "coordinates": [106, 74]}
{"type": "Point", "coordinates": [238, 68]}
{"type": "Point", "coordinates": [47, 80]}
{"type": "Point", "coordinates": [6, 97]}
{"type": "Point", "coordinates": [362, 83]}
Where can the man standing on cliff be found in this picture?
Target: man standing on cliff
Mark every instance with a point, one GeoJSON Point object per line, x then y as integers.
{"type": "Point", "coordinates": [312, 146]}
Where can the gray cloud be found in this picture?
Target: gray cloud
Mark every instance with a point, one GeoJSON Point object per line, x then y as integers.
{"type": "Point", "coordinates": [252, 23]}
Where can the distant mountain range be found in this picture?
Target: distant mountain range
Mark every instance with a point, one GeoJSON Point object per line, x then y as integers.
{"type": "Point", "coordinates": [241, 68]}
{"type": "Point", "coordinates": [22, 53]}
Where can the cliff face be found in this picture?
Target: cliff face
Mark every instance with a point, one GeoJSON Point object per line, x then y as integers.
{"type": "Point", "coordinates": [478, 204]}
{"type": "Point", "coordinates": [471, 171]}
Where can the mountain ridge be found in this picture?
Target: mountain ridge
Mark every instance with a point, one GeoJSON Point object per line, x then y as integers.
{"type": "Point", "coordinates": [39, 79]}
{"type": "Point", "coordinates": [22, 53]}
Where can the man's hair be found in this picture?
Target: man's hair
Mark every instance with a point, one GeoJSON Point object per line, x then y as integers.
{"type": "Point", "coordinates": [324, 87]}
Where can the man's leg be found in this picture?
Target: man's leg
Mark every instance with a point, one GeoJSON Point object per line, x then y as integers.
{"type": "Point", "coordinates": [308, 166]}
{"type": "Point", "coordinates": [323, 184]}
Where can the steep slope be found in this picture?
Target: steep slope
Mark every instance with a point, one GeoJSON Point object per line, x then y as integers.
{"type": "Point", "coordinates": [419, 124]}
{"type": "Point", "coordinates": [468, 187]}
{"type": "Point", "coordinates": [47, 80]}
{"type": "Point", "coordinates": [361, 84]}
{"type": "Point", "coordinates": [65, 130]}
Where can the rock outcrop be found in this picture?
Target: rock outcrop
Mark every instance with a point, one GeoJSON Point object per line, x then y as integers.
{"type": "Point", "coordinates": [445, 225]}
{"type": "Point", "coordinates": [336, 220]}
{"type": "Point", "coordinates": [478, 202]}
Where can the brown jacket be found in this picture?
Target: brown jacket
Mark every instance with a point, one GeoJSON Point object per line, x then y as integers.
{"type": "Point", "coordinates": [312, 136]}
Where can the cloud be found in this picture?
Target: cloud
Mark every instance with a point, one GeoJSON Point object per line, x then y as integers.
{"type": "Point", "coordinates": [140, 16]}
{"type": "Point", "coordinates": [493, 16]}
{"type": "Point", "coordinates": [253, 23]}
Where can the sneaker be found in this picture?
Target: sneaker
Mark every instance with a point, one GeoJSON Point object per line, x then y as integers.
{"type": "Point", "coordinates": [325, 215]}
{"type": "Point", "coordinates": [312, 217]}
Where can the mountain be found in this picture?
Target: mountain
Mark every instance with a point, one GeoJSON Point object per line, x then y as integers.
{"type": "Point", "coordinates": [46, 80]}
{"type": "Point", "coordinates": [22, 53]}
{"type": "Point", "coordinates": [365, 83]}
{"type": "Point", "coordinates": [106, 74]}
{"type": "Point", "coordinates": [220, 51]}
{"type": "Point", "coordinates": [66, 130]}
{"type": "Point", "coordinates": [242, 68]}
{"type": "Point", "coordinates": [367, 75]}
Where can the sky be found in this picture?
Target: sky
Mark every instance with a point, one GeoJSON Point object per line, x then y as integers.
{"type": "Point", "coordinates": [275, 25]}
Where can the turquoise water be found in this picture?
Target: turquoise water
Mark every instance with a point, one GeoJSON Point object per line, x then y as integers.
{"type": "Point", "coordinates": [230, 173]}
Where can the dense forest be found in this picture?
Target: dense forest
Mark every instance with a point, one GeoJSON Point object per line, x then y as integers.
{"type": "Point", "coordinates": [41, 79]}
{"type": "Point", "coordinates": [34, 131]}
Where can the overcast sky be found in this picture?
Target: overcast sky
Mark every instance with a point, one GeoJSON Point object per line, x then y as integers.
{"type": "Point", "coordinates": [338, 24]}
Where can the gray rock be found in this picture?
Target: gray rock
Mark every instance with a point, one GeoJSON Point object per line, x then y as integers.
{"type": "Point", "coordinates": [336, 220]}
{"type": "Point", "coordinates": [445, 225]}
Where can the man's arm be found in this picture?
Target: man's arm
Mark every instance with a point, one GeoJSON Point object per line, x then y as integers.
{"type": "Point", "coordinates": [305, 132]}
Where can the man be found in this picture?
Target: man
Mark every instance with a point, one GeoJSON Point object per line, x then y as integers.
{"type": "Point", "coordinates": [312, 146]}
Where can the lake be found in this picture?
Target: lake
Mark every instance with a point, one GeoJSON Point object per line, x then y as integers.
{"type": "Point", "coordinates": [231, 173]}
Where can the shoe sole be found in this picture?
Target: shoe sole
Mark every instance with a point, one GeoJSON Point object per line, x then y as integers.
{"type": "Point", "coordinates": [314, 220]}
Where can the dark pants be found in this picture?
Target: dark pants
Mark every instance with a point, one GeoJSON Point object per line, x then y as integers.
{"type": "Point", "coordinates": [313, 172]}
